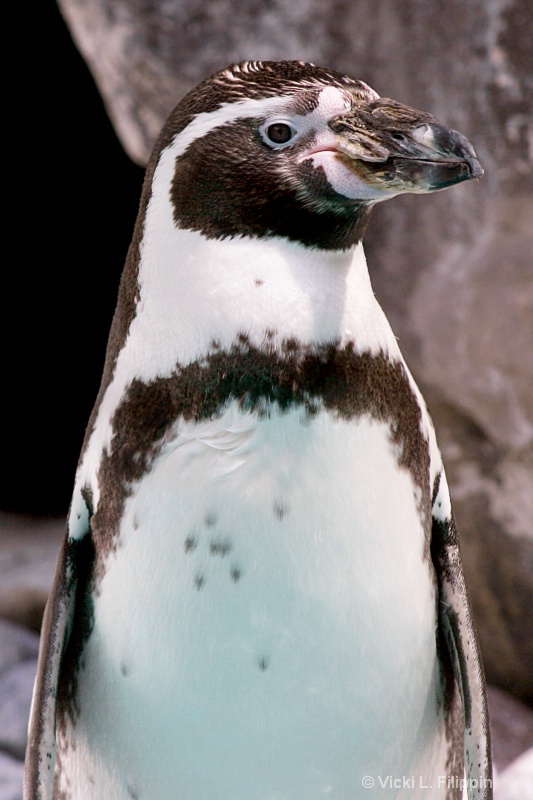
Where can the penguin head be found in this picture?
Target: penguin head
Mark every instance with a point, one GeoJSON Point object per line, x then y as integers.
{"type": "Point", "coordinates": [289, 149]}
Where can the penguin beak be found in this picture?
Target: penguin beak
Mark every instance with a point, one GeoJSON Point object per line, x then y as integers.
{"type": "Point", "coordinates": [393, 148]}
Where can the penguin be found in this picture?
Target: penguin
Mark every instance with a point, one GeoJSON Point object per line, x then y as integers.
{"type": "Point", "coordinates": [260, 591]}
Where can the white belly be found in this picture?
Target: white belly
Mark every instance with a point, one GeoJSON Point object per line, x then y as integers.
{"type": "Point", "coordinates": [265, 629]}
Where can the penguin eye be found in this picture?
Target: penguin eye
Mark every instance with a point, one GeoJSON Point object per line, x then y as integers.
{"type": "Point", "coordinates": [279, 133]}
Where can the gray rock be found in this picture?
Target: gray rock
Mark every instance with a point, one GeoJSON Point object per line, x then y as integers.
{"type": "Point", "coordinates": [453, 272]}
{"type": "Point", "coordinates": [481, 306]}
{"type": "Point", "coordinates": [16, 644]}
{"type": "Point", "coordinates": [16, 688]}
{"type": "Point", "coordinates": [516, 782]}
{"type": "Point", "coordinates": [11, 776]}
{"type": "Point", "coordinates": [18, 662]}
{"type": "Point", "coordinates": [29, 549]}
{"type": "Point", "coordinates": [493, 501]}
{"type": "Point", "coordinates": [511, 725]}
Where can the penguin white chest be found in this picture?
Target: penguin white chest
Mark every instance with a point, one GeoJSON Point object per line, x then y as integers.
{"type": "Point", "coordinates": [269, 584]}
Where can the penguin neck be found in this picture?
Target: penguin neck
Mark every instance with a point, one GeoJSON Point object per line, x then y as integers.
{"type": "Point", "coordinates": [185, 297]}
{"type": "Point", "coordinates": [195, 294]}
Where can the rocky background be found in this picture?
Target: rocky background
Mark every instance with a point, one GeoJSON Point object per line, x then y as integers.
{"type": "Point", "coordinates": [453, 272]}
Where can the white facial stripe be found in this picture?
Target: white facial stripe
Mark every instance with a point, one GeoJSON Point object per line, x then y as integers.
{"type": "Point", "coordinates": [228, 112]}
{"type": "Point", "coordinates": [332, 102]}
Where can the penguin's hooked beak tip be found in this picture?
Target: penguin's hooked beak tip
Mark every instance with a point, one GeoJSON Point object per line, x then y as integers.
{"type": "Point", "coordinates": [398, 149]}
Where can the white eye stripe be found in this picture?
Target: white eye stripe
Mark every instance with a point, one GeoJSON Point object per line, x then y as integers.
{"type": "Point", "coordinates": [332, 101]}
{"type": "Point", "coordinates": [207, 121]}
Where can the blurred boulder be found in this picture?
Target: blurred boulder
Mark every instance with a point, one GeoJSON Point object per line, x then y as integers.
{"type": "Point", "coordinates": [18, 661]}
{"type": "Point", "coordinates": [516, 783]}
{"type": "Point", "coordinates": [453, 271]}
{"type": "Point", "coordinates": [511, 728]}
{"type": "Point", "coordinates": [29, 548]}
{"type": "Point", "coordinates": [16, 689]}
{"type": "Point", "coordinates": [11, 776]}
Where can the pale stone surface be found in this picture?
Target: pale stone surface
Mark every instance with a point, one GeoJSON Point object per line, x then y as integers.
{"type": "Point", "coordinates": [511, 725]}
{"type": "Point", "coordinates": [516, 783]}
{"type": "Point", "coordinates": [485, 326]}
{"type": "Point", "coordinates": [452, 271]}
{"type": "Point", "coordinates": [18, 660]}
{"type": "Point", "coordinates": [28, 554]}
{"type": "Point", "coordinates": [16, 686]}
{"type": "Point", "coordinates": [17, 644]}
{"type": "Point", "coordinates": [11, 775]}
{"type": "Point", "coordinates": [493, 502]}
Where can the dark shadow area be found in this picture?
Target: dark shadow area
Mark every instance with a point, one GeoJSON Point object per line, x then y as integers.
{"type": "Point", "coordinates": [72, 200]}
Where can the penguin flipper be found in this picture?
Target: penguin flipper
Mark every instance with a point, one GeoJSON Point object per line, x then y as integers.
{"type": "Point", "coordinates": [456, 630]}
{"type": "Point", "coordinates": [57, 625]}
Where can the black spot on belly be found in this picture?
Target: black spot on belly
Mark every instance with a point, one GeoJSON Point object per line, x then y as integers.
{"type": "Point", "coordinates": [263, 663]}
{"type": "Point", "coordinates": [132, 792]}
{"type": "Point", "coordinates": [258, 282]}
{"type": "Point", "coordinates": [220, 548]}
{"type": "Point", "coordinates": [199, 581]}
{"type": "Point", "coordinates": [280, 509]}
{"type": "Point", "coordinates": [190, 544]}
{"type": "Point", "coordinates": [235, 574]}
{"type": "Point", "coordinates": [124, 669]}
{"type": "Point", "coordinates": [210, 520]}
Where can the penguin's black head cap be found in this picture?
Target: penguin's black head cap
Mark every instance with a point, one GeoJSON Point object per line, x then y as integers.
{"type": "Point", "coordinates": [288, 149]}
